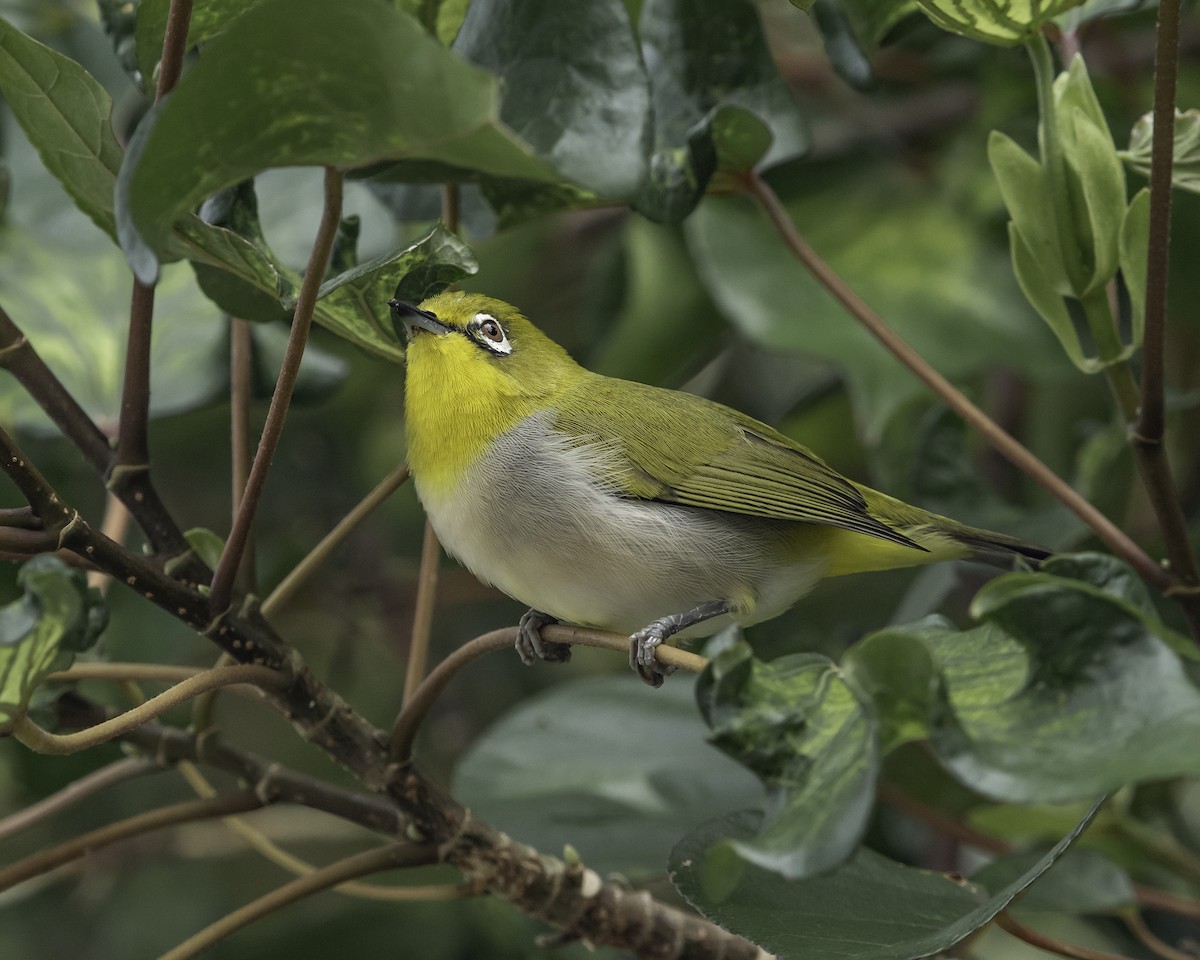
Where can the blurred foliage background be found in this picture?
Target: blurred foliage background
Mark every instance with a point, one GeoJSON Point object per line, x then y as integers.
{"type": "Point", "coordinates": [894, 190]}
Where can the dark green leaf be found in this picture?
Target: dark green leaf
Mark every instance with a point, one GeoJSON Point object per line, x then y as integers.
{"type": "Point", "coordinates": [574, 85]}
{"type": "Point", "coordinates": [702, 55]}
{"type": "Point", "coordinates": [870, 908]}
{"type": "Point", "coordinates": [897, 674]}
{"type": "Point", "coordinates": [64, 112]}
{"type": "Point", "coordinates": [315, 83]}
{"type": "Point", "coordinates": [799, 727]}
{"type": "Point", "coordinates": [1083, 881]}
{"type": "Point", "coordinates": [615, 770]}
{"type": "Point", "coordinates": [354, 304]}
{"type": "Point", "coordinates": [845, 50]}
{"type": "Point", "coordinates": [55, 617]}
{"type": "Point", "coordinates": [209, 17]}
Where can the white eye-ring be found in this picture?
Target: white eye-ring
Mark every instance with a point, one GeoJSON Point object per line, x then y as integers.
{"type": "Point", "coordinates": [487, 332]}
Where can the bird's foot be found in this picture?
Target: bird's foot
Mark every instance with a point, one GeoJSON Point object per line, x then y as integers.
{"type": "Point", "coordinates": [530, 645]}
{"type": "Point", "coordinates": [642, 650]}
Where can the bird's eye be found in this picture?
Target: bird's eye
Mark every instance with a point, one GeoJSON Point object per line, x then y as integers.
{"type": "Point", "coordinates": [489, 334]}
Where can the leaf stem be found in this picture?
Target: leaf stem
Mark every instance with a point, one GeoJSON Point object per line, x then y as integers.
{"type": "Point", "coordinates": [1003, 442]}
{"type": "Point", "coordinates": [231, 556]}
{"type": "Point", "coordinates": [45, 860]}
{"type": "Point", "coordinates": [404, 730]}
{"type": "Point", "coordinates": [305, 568]}
{"type": "Point", "coordinates": [418, 644]}
{"type": "Point", "coordinates": [1051, 944]}
{"type": "Point", "coordinates": [42, 741]}
{"type": "Point", "coordinates": [241, 374]}
{"type": "Point", "coordinates": [391, 857]}
{"type": "Point", "coordinates": [127, 768]}
{"type": "Point", "coordinates": [1098, 313]}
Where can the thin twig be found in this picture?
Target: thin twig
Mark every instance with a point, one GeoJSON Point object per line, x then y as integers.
{"type": "Point", "coordinates": [46, 860]}
{"type": "Point", "coordinates": [241, 377]}
{"type": "Point", "coordinates": [418, 644]}
{"type": "Point", "coordinates": [332, 540]}
{"type": "Point", "coordinates": [1151, 941]}
{"type": "Point", "coordinates": [1157, 899]}
{"type": "Point", "coordinates": [281, 399]}
{"type": "Point", "coordinates": [170, 66]}
{"type": "Point", "coordinates": [42, 741]}
{"type": "Point", "coordinates": [392, 857]}
{"type": "Point", "coordinates": [1001, 440]}
{"type": "Point", "coordinates": [1051, 944]}
{"type": "Point", "coordinates": [127, 768]}
{"type": "Point", "coordinates": [404, 731]}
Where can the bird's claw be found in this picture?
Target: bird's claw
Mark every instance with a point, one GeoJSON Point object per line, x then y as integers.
{"type": "Point", "coordinates": [530, 645]}
{"type": "Point", "coordinates": [642, 652]}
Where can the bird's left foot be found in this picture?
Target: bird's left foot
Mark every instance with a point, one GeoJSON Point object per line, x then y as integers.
{"type": "Point", "coordinates": [530, 645]}
{"type": "Point", "coordinates": [642, 650]}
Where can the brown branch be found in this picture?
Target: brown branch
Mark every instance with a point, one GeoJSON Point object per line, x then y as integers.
{"type": "Point", "coordinates": [392, 857]}
{"type": "Point", "coordinates": [241, 376]}
{"type": "Point", "coordinates": [1151, 941]}
{"type": "Point", "coordinates": [1113, 537]}
{"type": "Point", "coordinates": [127, 768]}
{"type": "Point", "coordinates": [170, 65]}
{"type": "Point", "coordinates": [45, 860]}
{"type": "Point", "coordinates": [231, 556]}
{"type": "Point", "coordinates": [1051, 944]}
{"type": "Point", "coordinates": [418, 642]}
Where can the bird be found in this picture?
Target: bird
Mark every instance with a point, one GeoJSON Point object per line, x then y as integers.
{"type": "Point", "coordinates": [626, 507]}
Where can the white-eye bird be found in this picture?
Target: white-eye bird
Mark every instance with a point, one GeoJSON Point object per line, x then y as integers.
{"type": "Point", "coordinates": [627, 507]}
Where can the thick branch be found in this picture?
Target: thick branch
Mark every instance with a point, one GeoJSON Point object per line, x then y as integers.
{"type": "Point", "coordinates": [281, 399]}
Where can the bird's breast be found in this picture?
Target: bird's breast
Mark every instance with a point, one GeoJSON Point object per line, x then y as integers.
{"type": "Point", "coordinates": [543, 516]}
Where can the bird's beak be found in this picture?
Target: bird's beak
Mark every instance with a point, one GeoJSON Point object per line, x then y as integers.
{"type": "Point", "coordinates": [414, 319]}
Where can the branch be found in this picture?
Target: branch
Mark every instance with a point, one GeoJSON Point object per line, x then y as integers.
{"type": "Point", "coordinates": [332, 540]}
{"type": "Point", "coordinates": [127, 768]}
{"type": "Point", "coordinates": [46, 860]}
{"type": "Point", "coordinates": [36, 738]}
{"type": "Point", "coordinates": [1113, 537]}
{"type": "Point", "coordinates": [416, 707]}
{"type": "Point", "coordinates": [1051, 944]}
{"type": "Point", "coordinates": [281, 399]}
{"type": "Point", "coordinates": [418, 642]}
{"type": "Point", "coordinates": [241, 375]}
{"type": "Point", "coordinates": [392, 857]}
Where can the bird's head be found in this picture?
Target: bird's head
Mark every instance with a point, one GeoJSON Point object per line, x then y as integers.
{"type": "Point", "coordinates": [466, 344]}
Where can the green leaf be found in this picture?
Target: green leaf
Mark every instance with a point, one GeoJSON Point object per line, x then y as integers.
{"type": "Point", "coordinates": [1041, 291]}
{"type": "Point", "coordinates": [1092, 158]}
{"type": "Point", "coordinates": [846, 51]}
{"type": "Point", "coordinates": [870, 908]}
{"type": "Point", "coordinates": [1185, 171]}
{"type": "Point", "coordinates": [1083, 881]}
{"type": "Point", "coordinates": [64, 112]}
{"type": "Point", "coordinates": [1003, 22]}
{"type": "Point", "coordinates": [593, 126]}
{"type": "Point", "coordinates": [209, 17]}
{"type": "Point", "coordinates": [799, 727]}
{"type": "Point", "coordinates": [616, 771]}
{"type": "Point", "coordinates": [897, 674]}
{"type": "Point", "coordinates": [804, 5]}
{"type": "Point", "coordinates": [354, 304]}
{"type": "Point", "coordinates": [326, 87]}
{"type": "Point", "coordinates": [208, 545]}
{"type": "Point", "coordinates": [73, 304]}
{"type": "Point", "coordinates": [1134, 255]}
{"type": "Point", "coordinates": [55, 617]}
{"type": "Point", "coordinates": [702, 55]}
{"type": "Point", "coordinates": [1022, 183]}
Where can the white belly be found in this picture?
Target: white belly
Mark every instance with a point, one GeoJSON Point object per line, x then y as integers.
{"type": "Point", "coordinates": [541, 520]}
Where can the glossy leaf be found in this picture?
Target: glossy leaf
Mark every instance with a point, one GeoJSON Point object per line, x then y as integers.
{"type": "Point", "coordinates": [870, 908]}
{"type": "Point", "coordinates": [800, 728]}
{"type": "Point", "coordinates": [354, 304]}
{"type": "Point", "coordinates": [586, 57]}
{"type": "Point", "coordinates": [55, 617]}
{"type": "Point", "coordinates": [1185, 171]}
{"type": "Point", "coordinates": [333, 91]}
{"type": "Point", "coordinates": [616, 770]}
{"type": "Point", "coordinates": [1005, 22]}
{"type": "Point", "coordinates": [701, 56]}
{"type": "Point", "coordinates": [64, 112]}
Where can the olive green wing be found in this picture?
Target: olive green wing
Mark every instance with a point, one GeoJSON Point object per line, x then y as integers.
{"type": "Point", "coordinates": [677, 448]}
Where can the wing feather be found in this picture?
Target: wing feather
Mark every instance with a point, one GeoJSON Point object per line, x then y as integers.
{"type": "Point", "coordinates": [677, 448]}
